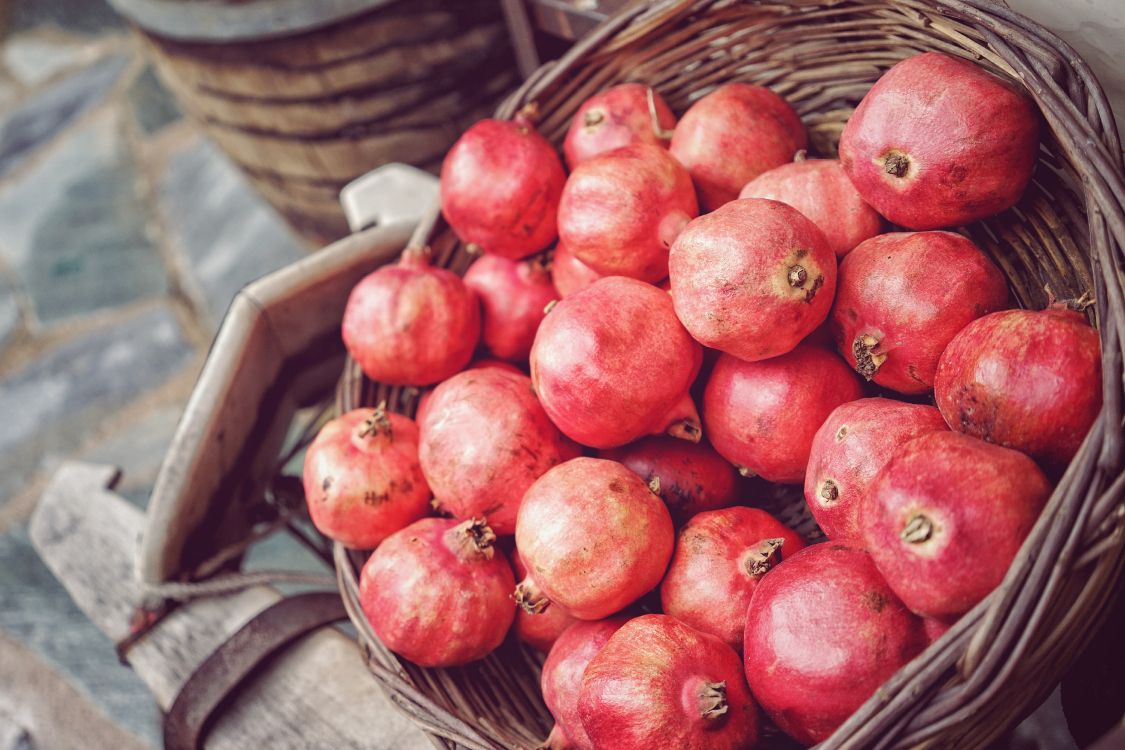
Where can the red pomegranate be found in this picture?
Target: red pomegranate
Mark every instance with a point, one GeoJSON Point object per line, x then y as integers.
{"type": "Point", "coordinates": [823, 632]}
{"type": "Point", "coordinates": [620, 116]}
{"type": "Point", "coordinates": [939, 142]}
{"type": "Point", "coordinates": [569, 274]}
{"type": "Point", "coordinates": [513, 296]}
{"type": "Point", "coordinates": [849, 449]}
{"type": "Point", "coordinates": [688, 477]}
{"type": "Point", "coordinates": [901, 298]}
{"type": "Point", "coordinates": [946, 517]}
{"type": "Point", "coordinates": [485, 440]}
{"type": "Point", "coordinates": [635, 365]}
{"type": "Point", "coordinates": [761, 416]}
{"type": "Point", "coordinates": [438, 593]}
{"type": "Point", "coordinates": [561, 679]}
{"type": "Point", "coordinates": [720, 558]}
{"type": "Point", "coordinates": [659, 683]}
{"type": "Point", "coordinates": [1025, 380]}
{"type": "Point", "coordinates": [731, 136]}
{"type": "Point", "coordinates": [820, 190]}
{"type": "Point", "coordinates": [594, 537]}
{"type": "Point", "coordinates": [362, 478]}
{"type": "Point", "coordinates": [500, 188]}
{"type": "Point", "coordinates": [752, 278]}
{"type": "Point", "coordinates": [424, 397]}
{"type": "Point", "coordinates": [620, 211]}
{"type": "Point", "coordinates": [411, 323]}
{"type": "Point", "coordinates": [539, 628]}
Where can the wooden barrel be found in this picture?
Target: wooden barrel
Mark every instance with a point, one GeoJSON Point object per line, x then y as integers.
{"type": "Point", "coordinates": [305, 97]}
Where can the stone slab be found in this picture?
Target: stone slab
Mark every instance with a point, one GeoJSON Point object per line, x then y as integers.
{"type": "Point", "coordinates": [138, 449]}
{"type": "Point", "coordinates": [153, 107]}
{"type": "Point", "coordinates": [75, 228]}
{"type": "Point", "coordinates": [51, 404]}
{"type": "Point", "coordinates": [45, 115]}
{"type": "Point", "coordinates": [224, 234]}
{"type": "Point", "coordinates": [33, 59]}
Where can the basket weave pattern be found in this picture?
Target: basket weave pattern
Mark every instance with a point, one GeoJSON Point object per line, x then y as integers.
{"type": "Point", "coordinates": [1064, 238]}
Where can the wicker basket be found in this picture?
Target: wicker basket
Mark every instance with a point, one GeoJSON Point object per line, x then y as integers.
{"type": "Point", "coordinates": [1066, 235]}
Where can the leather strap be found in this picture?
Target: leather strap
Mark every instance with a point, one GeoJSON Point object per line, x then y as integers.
{"type": "Point", "coordinates": [228, 667]}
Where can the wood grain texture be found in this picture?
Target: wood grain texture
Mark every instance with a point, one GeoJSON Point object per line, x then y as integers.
{"type": "Point", "coordinates": [222, 452]}
{"type": "Point", "coordinates": [321, 108]}
{"type": "Point", "coordinates": [87, 536]}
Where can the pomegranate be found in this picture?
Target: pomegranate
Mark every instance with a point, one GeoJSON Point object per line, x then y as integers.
{"type": "Point", "coordinates": [485, 439]}
{"type": "Point", "coordinates": [901, 298]}
{"type": "Point", "coordinates": [438, 592]}
{"type": "Point", "coordinates": [946, 517]}
{"type": "Point", "coordinates": [823, 632]}
{"type": "Point", "coordinates": [849, 449]}
{"type": "Point", "coordinates": [820, 190]}
{"type": "Point", "coordinates": [720, 557]}
{"type": "Point", "coordinates": [513, 295]}
{"type": "Point", "coordinates": [1025, 380]}
{"type": "Point", "coordinates": [424, 397]}
{"type": "Point", "coordinates": [762, 416]}
{"type": "Point", "coordinates": [752, 279]}
{"type": "Point", "coordinates": [593, 537]}
{"type": "Point", "coordinates": [569, 274]}
{"type": "Point", "coordinates": [500, 188]}
{"type": "Point", "coordinates": [539, 629]}
{"type": "Point", "coordinates": [620, 116]}
{"type": "Point", "coordinates": [636, 365]}
{"type": "Point", "coordinates": [688, 477]}
{"type": "Point", "coordinates": [410, 323]}
{"type": "Point", "coordinates": [620, 211]}
{"type": "Point", "coordinates": [731, 136]}
{"type": "Point", "coordinates": [362, 478]}
{"type": "Point", "coordinates": [660, 683]}
{"type": "Point", "coordinates": [561, 678]}
{"type": "Point", "coordinates": [939, 142]}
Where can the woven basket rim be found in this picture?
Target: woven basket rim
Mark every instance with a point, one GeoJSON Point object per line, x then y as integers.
{"type": "Point", "coordinates": [1077, 550]}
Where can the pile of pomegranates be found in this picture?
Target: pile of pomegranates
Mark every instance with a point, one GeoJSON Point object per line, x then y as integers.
{"type": "Point", "coordinates": [695, 304]}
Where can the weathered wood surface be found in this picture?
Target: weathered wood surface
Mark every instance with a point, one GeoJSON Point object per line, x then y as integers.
{"type": "Point", "coordinates": [226, 21]}
{"type": "Point", "coordinates": [317, 694]}
{"type": "Point", "coordinates": [284, 325]}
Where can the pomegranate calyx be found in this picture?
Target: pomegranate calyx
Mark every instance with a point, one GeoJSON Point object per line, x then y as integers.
{"type": "Point", "coordinates": [593, 117]}
{"type": "Point", "coordinates": [917, 530]}
{"type": "Point", "coordinates": [746, 471]}
{"type": "Point", "coordinates": [896, 164]}
{"type": "Point", "coordinates": [530, 598]}
{"type": "Point", "coordinates": [377, 424]}
{"type": "Point", "coordinates": [763, 556]}
{"type": "Point", "coordinates": [527, 116]}
{"type": "Point", "coordinates": [415, 256]}
{"type": "Point", "coordinates": [556, 740]}
{"type": "Point", "coordinates": [654, 116]}
{"type": "Point", "coordinates": [867, 361]}
{"type": "Point", "coordinates": [713, 700]}
{"type": "Point", "coordinates": [654, 485]}
{"type": "Point", "coordinates": [829, 492]}
{"type": "Point", "coordinates": [686, 429]}
{"type": "Point", "coordinates": [474, 538]}
{"type": "Point", "coordinates": [797, 276]}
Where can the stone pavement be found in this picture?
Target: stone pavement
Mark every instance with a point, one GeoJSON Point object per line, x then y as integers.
{"type": "Point", "coordinates": [123, 236]}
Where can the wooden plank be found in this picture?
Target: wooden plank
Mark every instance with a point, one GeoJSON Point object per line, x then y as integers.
{"type": "Point", "coordinates": [317, 694]}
